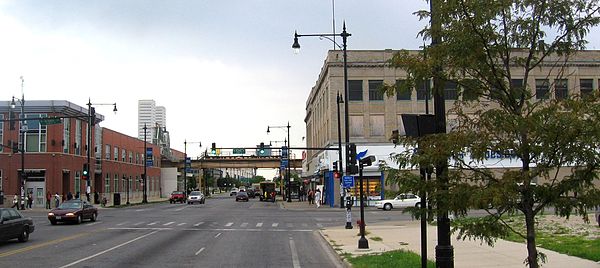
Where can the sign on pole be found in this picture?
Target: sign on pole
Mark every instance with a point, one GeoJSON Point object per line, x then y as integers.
{"type": "Point", "coordinates": [348, 181]}
{"type": "Point", "coordinates": [239, 151]}
{"type": "Point", "coordinates": [50, 121]}
{"type": "Point", "coordinates": [149, 161]}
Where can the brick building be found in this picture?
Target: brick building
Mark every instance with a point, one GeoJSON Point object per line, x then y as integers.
{"type": "Point", "coordinates": [55, 154]}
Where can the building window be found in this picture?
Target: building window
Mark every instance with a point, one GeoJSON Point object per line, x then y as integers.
{"type": "Point", "coordinates": [561, 88]}
{"type": "Point", "coordinates": [107, 152]}
{"type": "Point", "coordinates": [375, 90]}
{"type": "Point", "coordinates": [130, 157]}
{"type": "Point", "coordinates": [517, 88]}
{"type": "Point", "coordinates": [116, 153]}
{"type": "Point", "coordinates": [355, 91]}
{"type": "Point", "coordinates": [66, 135]}
{"type": "Point", "coordinates": [125, 188]}
{"type": "Point", "coordinates": [78, 137]}
{"type": "Point", "coordinates": [586, 86]}
{"type": "Point", "coordinates": [401, 130]}
{"type": "Point", "coordinates": [1, 134]}
{"type": "Point", "coordinates": [107, 184]}
{"type": "Point", "coordinates": [402, 94]}
{"type": "Point", "coordinates": [423, 89]}
{"type": "Point", "coordinates": [356, 126]}
{"type": "Point", "coordinates": [450, 92]}
{"type": "Point", "coordinates": [77, 182]}
{"type": "Point", "coordinates": [542, 87]}
{"type": "Point", "coordinates": [377, 126]}
{"type": "Point", "coordinates": [35, 135]}
{"type": "Point", "coordinates": [116, 183]}
{"type": "Point", "coordinates": [123, 155]}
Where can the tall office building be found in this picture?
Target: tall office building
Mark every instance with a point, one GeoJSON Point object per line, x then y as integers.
{"type": "Point", "coordinates": [152, 116]}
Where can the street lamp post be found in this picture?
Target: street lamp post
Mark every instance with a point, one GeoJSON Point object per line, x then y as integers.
{"type": "Point", "coordinates": [185, 142]}
{"type": "Point", "coordinates": [289, 192]}
{"type": "Point", "coordinates": [340, 163]}
{"type": "Point", "coordinates": [145, 198]}
{"type": "Point", "coordinates": [22, 126]}
{"type": "Point", "coordinates": [91, 122]}
{"type": "Point", "coordinates": [363, 243]}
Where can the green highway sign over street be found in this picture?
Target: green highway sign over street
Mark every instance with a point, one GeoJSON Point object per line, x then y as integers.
{"type": "Point", "coordinates": [239, 151]}
{"type": "Point", "coordinates": [50, 121]}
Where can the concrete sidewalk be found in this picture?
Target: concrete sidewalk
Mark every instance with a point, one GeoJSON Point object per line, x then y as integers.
{"type": "Point", "coordinates": [407, 235]}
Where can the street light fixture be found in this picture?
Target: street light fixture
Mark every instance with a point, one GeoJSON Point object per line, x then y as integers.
{"type": "Point", "coordinates": [344, 35]}
{"type": "Point", "coordinates": [22, 129]}
{"type": "Point", "coordinates": [91, 122]}
{"type": "Point", "coordinates": [185, 142]}
{"type": "Point", "coordinates": [289, 192]}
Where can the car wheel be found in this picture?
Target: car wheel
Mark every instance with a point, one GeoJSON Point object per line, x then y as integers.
{"type": "Point", "coordinates": [53, 222]}
{"type": "Point", "coordinates": [24, 235]}
{"type": "Point", "coordinates": [79, 219]}
{"type": "Point", "coordinates": [94, 216]}
{"type": "Point", "coordinates": [418, 205]}
{"type": "Point", "coordinates": [387, 206]}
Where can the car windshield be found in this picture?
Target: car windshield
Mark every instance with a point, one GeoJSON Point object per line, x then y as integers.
{"type": "Point", "coordinates": [242, 194]}
{"type": "Point", "coordinates": [70, 205]}
{"type": "Point", "coordinates": [177, 193]}
{"type": "Point", "coordinates": [195, 193]}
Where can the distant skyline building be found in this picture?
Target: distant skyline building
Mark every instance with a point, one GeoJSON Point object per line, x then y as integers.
{"type": "Point", "coordinates": [152, 116]}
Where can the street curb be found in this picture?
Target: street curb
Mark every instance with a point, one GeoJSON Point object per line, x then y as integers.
{"type": "Point", "coordinates": [338, 256]}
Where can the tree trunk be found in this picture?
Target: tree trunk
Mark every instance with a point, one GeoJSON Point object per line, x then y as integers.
{"type": "Point", "coordinates": [532, 252]}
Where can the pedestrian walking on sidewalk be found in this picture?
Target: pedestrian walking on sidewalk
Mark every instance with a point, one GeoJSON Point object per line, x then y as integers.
{"type": "Point", "coordinates": [56, 200]}
{"type": "Point", "coordinates": [29, 200]}
{"type": "Point", "coordinates": [48, 200]}
{"type": "Point", "coordinates": [318, 198]}
{"type": "Point", "coordinates": [16, 201]}
{"type": "Point", "coordinates": [311, 195]}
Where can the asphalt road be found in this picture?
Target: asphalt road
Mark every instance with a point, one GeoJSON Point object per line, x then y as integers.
{"type": "Point", "coordinates": [220, 233]}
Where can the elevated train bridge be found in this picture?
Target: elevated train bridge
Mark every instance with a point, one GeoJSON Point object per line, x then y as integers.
{"type": "Point", "coordinates": [207, 162]}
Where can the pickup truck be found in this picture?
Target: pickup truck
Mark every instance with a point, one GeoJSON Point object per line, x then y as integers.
{"type": "Point", "coordinates": [177, 196]}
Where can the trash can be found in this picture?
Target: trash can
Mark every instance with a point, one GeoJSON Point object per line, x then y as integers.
{"type": "Point", "coordinates": [116, 199]}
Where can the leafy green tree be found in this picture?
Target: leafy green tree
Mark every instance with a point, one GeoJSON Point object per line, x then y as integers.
{"type": "Point", "coordinates": [487, 44]}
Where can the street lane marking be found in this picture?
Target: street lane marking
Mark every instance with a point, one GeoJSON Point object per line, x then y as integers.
{"type": "Point", "coordinates": [244, 225]}
{"type": "Point", "coordinates": [198, 224]}
{"type": "Point", "coordinates": [110, 249]}
{"type": "Point", "coordinates": [295, 259]}
{"type": "Point", "coordinates": [259, 224]}
{"type": "Point", "coordinates": [123, 223]}
{"type": "Point", "coordinates": [140, 228]}
{"type": "Point", "coordinates": [183, 223]}
{"type": "Point", "coordinates": [198, 252]}
{"type": "Point", "coordinates": [12, 252]}
{"type": "Point", "coordinates": [139, 223]}
{"type": "Point", "coordinates": [290, 225]}
{"type": "Point", "coordinates": [275, 224]}
{"type": "Point", "coordinates": [229, 224]}
{"type": "Point", "coordinates": [217, 235]}
{"type": "Point", "coordinates": [180, 209]}
{"type": "Point", "coordinates": [168, 223]}
{"type": "Point", "coordinates": [153, 223]}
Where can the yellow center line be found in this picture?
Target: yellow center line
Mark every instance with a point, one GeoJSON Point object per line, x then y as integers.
{"type": "Point", "coordinates": [52, 242]}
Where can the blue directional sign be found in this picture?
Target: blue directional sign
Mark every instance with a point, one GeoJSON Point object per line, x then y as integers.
{"type": "Point", "coordinates": [348, 181]}
{"type": "Point", "coordinates": [284, 152]}
{"type": "Point", "coordinates": [149, 161]}
{"type": "Point", "coordinates": [284, 163]}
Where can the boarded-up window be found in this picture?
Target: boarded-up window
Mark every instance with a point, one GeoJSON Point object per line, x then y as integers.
{"type": "Point", "coordinates": [377, 126]}
{"type": "Point", "coordinates": [356, 126]}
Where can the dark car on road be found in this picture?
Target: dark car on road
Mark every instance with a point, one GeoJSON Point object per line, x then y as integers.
{"type": "Point", "coordinates": [241, 196]}
{"type": "Point", "coordinates": [177, 196]}
{"type": "Point", "coordinates": [14, 225]}
{"type": "Point", "coordinates": [75, 210]}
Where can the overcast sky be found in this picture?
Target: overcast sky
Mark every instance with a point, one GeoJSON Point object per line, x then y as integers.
{"type": "Point", "coordinates": [224, 69]}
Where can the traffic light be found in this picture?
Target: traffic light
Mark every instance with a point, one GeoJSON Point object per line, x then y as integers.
{"type": "Point", "coordinates": [395, 137]}
{"type": "Point", "coordinates": [213, 149]}
{"type": "Point", "coordinates": [92, 116]}
{"type": "Point", "coordinates": [351, 159]}
{"type": "Point", "coordinates": [84, 174]}
{"type": "Point", "coordinates": [335, 166]}
{"type": "Point", "coordinates": [261, 149]}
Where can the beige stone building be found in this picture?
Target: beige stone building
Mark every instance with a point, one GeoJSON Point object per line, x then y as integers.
{"type": "Point", "coordinates": [373, 116]}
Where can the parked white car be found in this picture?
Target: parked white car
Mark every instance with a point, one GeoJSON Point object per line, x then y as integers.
{"type": "Point", "coordinates": [402, 200]}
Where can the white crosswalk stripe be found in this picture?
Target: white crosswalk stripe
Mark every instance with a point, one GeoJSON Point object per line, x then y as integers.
{"type": "Point", "coordinates": [183, 223]}
{"type": "Point", "coordinates": [168, 223]}
{"type": "Point", "coordinates": [290, 225]}
{"type": "Point", "coordinates": [228, 224]}
{"type": "Point", "coordinates": [198, 224]}
{"type": "Point", "coordinates": [123, 223]}
{"type": "Point", "coordinates": [244, 225]}
{"type": "Point", "coordinates": [259, 224]}
{"type": "Point", "coordinates": [139, 223]}
{"type": "Point", "coordinates": [275, 224]}
{"type": "Point", "coordinates": [153, 223]}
